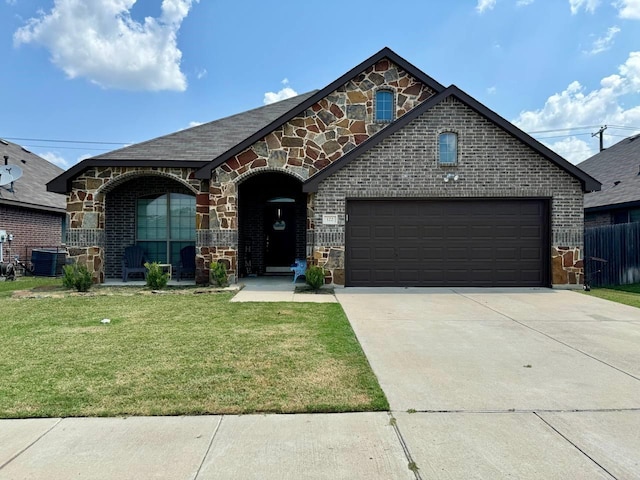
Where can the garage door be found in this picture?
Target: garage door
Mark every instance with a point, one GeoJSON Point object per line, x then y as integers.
{"type": "Point", "coordinates": [471, 242]}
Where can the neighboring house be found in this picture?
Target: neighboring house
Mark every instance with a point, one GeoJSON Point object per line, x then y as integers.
{"type": "Point", "coordinates": [618, 169]}
{"type": "Point", "coordinates": [384, 177]}
{"type": "Point", "coordinates": [34, 216]}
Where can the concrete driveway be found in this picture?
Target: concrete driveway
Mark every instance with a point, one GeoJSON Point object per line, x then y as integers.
{"type": "Point", "coordinates": [488, 383]}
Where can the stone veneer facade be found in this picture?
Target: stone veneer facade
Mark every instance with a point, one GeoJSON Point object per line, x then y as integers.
{"type": "Point", "coordinates": [491, 164]}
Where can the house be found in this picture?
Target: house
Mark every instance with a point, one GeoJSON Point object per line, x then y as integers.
{"type": "Point", "coordinates": [384, 177]}
{"type": "Point", "coordinates": [618, 169]}
{"type": "Point", "coordinates": [31, 215]}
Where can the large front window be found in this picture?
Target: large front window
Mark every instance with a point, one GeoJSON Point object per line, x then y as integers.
{"type": "Point", "coordinates": [165, 224]}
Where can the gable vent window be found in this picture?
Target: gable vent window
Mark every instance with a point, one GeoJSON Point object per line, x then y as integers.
{"type": "Point", "coordinates": [384, 106]}
{"type": "Point", "coordinates": [448, 148]}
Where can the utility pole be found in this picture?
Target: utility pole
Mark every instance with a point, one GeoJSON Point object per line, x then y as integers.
{"type": "Point", "coordinates": [600, 132]}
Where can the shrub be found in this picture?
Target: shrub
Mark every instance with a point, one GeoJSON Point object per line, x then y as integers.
{"type": "Point", "coordinates": [218, 274]}
{"type": "Point", "coordinates": [77, 276]}
{"type": "Point", "coordinates": [315, 276]}
{"type": "Point", "coordinates": [156, 278]}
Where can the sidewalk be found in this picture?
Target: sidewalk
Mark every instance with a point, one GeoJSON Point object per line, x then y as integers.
{"type": "Point", "coordinates": [267, 447]}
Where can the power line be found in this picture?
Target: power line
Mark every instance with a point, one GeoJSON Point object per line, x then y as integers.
{"type": "Point", "coordinates": [67, 148]}
{"type": "Point", "coordinates": [65, 141]}
{"type": "Point", "coordinates": [565, 129]}
{"type": "Point", "coordinates": [563, 136]}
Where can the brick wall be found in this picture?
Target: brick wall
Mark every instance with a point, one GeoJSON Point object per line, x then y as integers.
{"type": "Point", "coordinates": [598, 219]}
{"type": "Point", "coordinates": [491, 163]}
{"type": "Point", "coordinates": [120, 216]}
{"type": "Point", "coordinates": [29, 228]}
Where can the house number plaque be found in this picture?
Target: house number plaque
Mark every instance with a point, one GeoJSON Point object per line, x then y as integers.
{"type": "Point", "coordinates": [329, 219]}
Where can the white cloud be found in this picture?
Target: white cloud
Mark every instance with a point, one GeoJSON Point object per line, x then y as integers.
{"type": "Point", "coordinates": [492, 90]}
{"type": "Point", "coordinates": [524, 3]}
{"type": "Point", "coordinates": [602, 44]}
{"type": "Point", "coordinates": [628, 9]}
{"type": "Point", "coordinates": [283, 94]}
{"type": "Point", "coordinates": [195, 124]}
{"type": "Point", "coordinates": [577, 107]}
{"type": "Point", "coordinates": [588, 5]}
{"type": "Point", "coordinates": [56, 159]}
{"type": "Point", "coordinates": [484, 5]}
{"type": "Point", "coordinates": [201, 73]}
{"type": "Point", "coordinates": [100, 41]}
{"type": "Point", "coordinates": [573, 149]}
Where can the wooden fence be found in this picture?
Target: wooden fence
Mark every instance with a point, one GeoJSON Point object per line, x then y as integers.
{"type": "Point", "coordinates": [619, 245]}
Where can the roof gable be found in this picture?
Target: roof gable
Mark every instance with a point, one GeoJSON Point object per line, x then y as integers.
{"type": "Point", "coordinates": [588, 182]}
{"type": "Point", "coordinates": [205, 171]}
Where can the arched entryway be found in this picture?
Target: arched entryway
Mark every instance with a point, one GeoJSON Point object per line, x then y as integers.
{"type": "Point", "coordinates": [272, 224]}
{"type": "Point", "coordinates": [155, 212]}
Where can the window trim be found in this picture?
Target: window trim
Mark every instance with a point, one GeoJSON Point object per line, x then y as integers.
{"type": "Point", "coordinates": [440, 152]}
{"type": "Point", "coordinates": [392, 93]}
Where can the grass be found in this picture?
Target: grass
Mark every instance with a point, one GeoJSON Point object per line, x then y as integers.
{"type": "Point", "coordinates": [173, 354]}
{"type": "Point", "coordinates": [625, 294]}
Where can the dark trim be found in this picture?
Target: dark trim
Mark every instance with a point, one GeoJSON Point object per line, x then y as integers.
{"type": "Point", "coordinates": [205, 172]}
{"type": "Point", "coordinates": [588, 182]}
{"type": "Point", "coordinates": [613, 206]}
{"type": "Point", "coordinates": [31, 206]}
{"type": "Point", "coordinates": [62, 183]}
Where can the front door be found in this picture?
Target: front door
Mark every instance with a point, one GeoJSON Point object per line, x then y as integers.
{"type": "Point", "coordinates": [280, 236]}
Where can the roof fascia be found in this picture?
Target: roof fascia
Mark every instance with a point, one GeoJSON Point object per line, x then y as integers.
{"type": "Point", "coordinates": [613, 206]}
{"type": "Point", "coordinates": [205, 172]}
{"type": "Point", "coordinates": [62, 183]}
{"type": "Point", "coordinates": [588, 183]}
{"type": "Point", "coordinates": [32, 206]}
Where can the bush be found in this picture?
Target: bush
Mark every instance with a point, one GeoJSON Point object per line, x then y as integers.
{"type": "Point", "coordinates": [77, 276]}
{"type": "Point", "coordinates": [315, 277]}
{"type": "Point", "coordinates": [156, 278]}
{"type": "Point", "coordinates": [218, 274]}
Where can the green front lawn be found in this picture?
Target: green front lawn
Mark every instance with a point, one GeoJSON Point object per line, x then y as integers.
{"type": "Point", "coordinates": [174, 354]}
{"type": "Point", "coordinates": [626, 294]}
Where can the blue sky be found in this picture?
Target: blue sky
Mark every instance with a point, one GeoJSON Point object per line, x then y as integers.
{"type": "Point", "coordinates": [125, 71]}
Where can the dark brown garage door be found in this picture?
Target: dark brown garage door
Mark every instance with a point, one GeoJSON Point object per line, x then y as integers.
{"type": "Point", "coordinates": [471, 242]}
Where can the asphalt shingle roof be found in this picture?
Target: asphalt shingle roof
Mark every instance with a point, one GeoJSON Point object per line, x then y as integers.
{"type": "Point", "coordinates": [209, 140]}
{"type": "Point", "coordinates": [30, 189]}
{"type": "Point", "coordinates": [618, 163]}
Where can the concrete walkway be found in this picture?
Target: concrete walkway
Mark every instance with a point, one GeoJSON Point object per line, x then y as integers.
{"type": "Point", "coordinates": [277, 289]}
{"type": "Point", "coordinates": [486, 384]}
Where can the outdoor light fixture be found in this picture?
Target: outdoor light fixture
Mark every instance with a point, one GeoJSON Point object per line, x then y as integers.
{"type": "Point", "coordinates": [451, 176]}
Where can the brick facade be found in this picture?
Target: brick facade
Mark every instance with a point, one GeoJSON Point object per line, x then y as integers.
{"type": "Point", "coordinates": [30, 228]}
{"type": "Point", "coordinates": [491, 164]}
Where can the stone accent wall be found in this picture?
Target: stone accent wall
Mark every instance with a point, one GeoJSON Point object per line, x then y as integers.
{"type": "Point", "coordinates": [567, 266]}
{"type": "Point", "coordinates": [316, 138]}
{"type": "Point", "coordinates": [491, 163]}
{"type": "Point", "coordinates": [86, 239]}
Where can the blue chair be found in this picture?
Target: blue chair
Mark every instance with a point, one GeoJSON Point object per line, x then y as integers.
{"type": "Point", "coordinates": [299, 268]}
{"type": "Point", "coordinates": [187, 261]}
{"type": "Point", "coordinates": [133, 261]}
